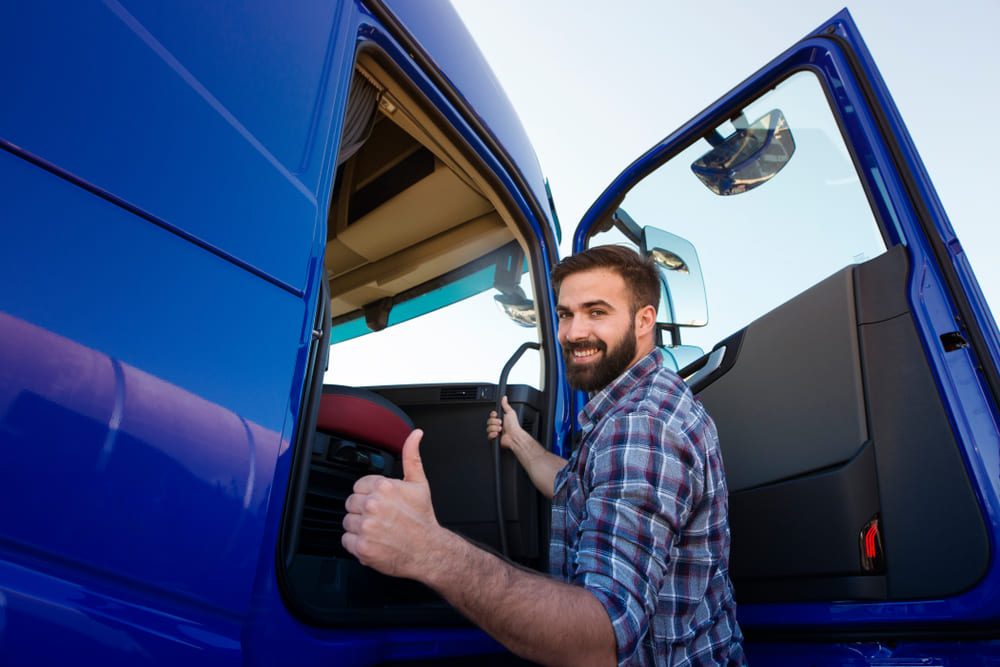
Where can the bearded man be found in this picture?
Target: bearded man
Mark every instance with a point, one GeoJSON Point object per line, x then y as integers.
{"type": "Point", "coordinates": [640, 538]}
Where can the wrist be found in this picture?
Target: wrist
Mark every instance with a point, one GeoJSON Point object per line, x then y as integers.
{"type": "Point", "coordinates": [524, 445]}
{"type": "Point", "coordinates": [443, 555]}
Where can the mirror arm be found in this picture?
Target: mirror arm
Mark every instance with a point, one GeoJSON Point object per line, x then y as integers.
{"type": "Point", "coordinates": [715, 138]}
{"type": "Point", "coordinates": [624, 222]}
{"type": "Point", "coordinates": [507, 273]}
{"type": "Point", "coordinates": [673, 329]}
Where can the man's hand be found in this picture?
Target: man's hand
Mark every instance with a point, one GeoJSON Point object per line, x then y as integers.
{"type": "Point", "coordinates": [510, 429]}
{"type": "Point", "coordinates": [540, 464]}
{"type": "Point", "coordinates": [390, 523]}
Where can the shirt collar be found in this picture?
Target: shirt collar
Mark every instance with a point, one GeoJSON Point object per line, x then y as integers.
{"type": "Point", "coordinates": [604, 400]}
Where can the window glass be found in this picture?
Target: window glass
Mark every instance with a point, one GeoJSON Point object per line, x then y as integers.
{"type": "Point", "coordinates": [467, 341]}
{"type": "Point", "coordinates": [761, 247]}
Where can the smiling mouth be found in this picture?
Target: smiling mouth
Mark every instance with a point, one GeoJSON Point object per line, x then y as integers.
{"type": "Point", "coordinates": [585, 354]}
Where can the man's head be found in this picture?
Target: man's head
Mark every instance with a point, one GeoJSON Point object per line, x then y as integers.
{"type": "Point", "coordinates": [607, 302]}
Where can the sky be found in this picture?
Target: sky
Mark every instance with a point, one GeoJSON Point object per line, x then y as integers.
{"type": "Point", "coordinates": [597, 83]}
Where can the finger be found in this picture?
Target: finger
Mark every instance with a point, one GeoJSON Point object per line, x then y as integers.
{"type": "Point", "coordinates": [367, 484]}
{"type": "Point", "coordinates": [355, 503]}
{"type": "Point", "coordinates": [506, 406]}
{"type": "Point", "coordinates": [413, 467]}
{"type": "Point", "coordinates": [349, 542]}
{"type": "Point", "coordinates": [352, 523]}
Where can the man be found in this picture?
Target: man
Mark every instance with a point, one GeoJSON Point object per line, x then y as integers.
{"type": "Point", "coordinates": [640, 539]}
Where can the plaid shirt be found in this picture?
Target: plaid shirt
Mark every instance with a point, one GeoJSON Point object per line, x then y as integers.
{"type": "Point", "coordinates": [639, 518]}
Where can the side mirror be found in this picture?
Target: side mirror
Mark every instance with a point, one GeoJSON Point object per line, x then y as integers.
{"type": "Point", "coordinates": [749, 157]}
{"type": "Point", "coordinates": [685, 304]}
{"type": "Point", "coordinates": [518, 307]}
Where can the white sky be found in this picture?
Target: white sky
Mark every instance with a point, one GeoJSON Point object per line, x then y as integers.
{"type": "Point", "coordinates": [597, 83]}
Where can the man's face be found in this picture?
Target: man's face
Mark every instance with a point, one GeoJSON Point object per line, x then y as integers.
{"type": "Point", "coordinates": [596, 328]}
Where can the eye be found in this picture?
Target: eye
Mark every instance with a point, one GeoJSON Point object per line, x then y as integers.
{"type": "Point", "coordinates": [562, 315]}
{"type": "Point", "coordinates": [596, 312]}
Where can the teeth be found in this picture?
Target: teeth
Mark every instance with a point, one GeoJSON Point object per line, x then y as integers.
{"type": "Point", "coordinates": [584, 353]}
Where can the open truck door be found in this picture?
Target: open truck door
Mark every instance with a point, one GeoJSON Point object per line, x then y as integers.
{"type": "Point", "coordinates": [846, 354]}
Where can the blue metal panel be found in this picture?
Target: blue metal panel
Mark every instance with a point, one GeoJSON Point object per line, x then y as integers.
{"type": "Point", "coordinates": [49, 620]}
{"type": "Point", "coordinates": [872, 654]}
{"type": "Point", "coordinates": [153, 351]}
{"type": "Point", "coordinates": [145, 384]}
{"type": "Point", "coordinates": [963, 388]}
{"type": "Point", "coordinates": [199, 114]}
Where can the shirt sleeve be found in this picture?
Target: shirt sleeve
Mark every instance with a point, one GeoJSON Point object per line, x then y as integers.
{"type": "Point", "coordinates": [642, 482]}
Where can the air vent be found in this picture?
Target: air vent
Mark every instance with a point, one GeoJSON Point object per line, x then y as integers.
{"type": "Point", "coordinates": [458, 393]}
{"type": "Point", "coordinates": [323, 512]}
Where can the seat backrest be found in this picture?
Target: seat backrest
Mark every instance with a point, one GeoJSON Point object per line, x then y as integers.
{"type": "Point", "coordinates": [364, 417]}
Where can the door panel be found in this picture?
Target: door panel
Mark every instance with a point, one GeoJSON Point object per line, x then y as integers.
{"type": "Point", "coordinates": [803, 487]}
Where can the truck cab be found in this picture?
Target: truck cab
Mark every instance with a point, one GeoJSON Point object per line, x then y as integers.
{"type": "Point", "coordinates": [247, 250]}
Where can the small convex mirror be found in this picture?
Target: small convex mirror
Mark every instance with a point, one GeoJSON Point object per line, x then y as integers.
{"type": "Point", "coordinates": [517, 307]}
{"type": "Point", "coordinates": [749, 157]}
{"type": "Point", "coordinates": [680, 272]}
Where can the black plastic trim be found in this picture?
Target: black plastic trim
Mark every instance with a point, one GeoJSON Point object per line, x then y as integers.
{"type": "Point", "coordinates": [291, 517]}
{"type": "Point", "coordinates": [732, 345]}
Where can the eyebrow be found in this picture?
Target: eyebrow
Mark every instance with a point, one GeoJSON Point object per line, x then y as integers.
{"type": "Point", "coordinates": [586, 305]}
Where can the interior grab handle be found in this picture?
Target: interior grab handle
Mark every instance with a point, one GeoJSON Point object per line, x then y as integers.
{"type": "Point", "coordinates": [501, 391]}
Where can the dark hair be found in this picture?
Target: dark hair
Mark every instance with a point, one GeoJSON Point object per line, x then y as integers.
{"type": "Point", "coordinates": [639, 273]}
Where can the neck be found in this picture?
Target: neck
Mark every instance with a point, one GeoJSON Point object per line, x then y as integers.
{"type": "Point", "coordinates": [643, 347]}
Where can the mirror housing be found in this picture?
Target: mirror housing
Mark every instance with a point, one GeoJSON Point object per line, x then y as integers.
{"type": "Point", "coordinates": [748, 158]}
{"type": "Point", "coordinates": [685, 304]}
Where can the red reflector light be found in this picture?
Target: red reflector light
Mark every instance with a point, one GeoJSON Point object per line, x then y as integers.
{"type": "Point", "coordinates": [871, 547]}
{"type": "Point", "coordinates": [870, 536]}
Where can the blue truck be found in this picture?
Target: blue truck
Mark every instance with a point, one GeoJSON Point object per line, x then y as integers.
{"type": "Point", "coordinates": [209, 209]}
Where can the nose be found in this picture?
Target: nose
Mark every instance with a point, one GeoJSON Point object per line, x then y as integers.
{"type": "Point", "coordinates": [575, 328]}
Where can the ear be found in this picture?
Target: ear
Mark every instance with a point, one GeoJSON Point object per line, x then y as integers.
{"type": "Point", "coordinates": [645, 321]}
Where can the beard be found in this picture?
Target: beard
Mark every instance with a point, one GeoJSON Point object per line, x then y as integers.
{"type": "Point", "coordinates": [613, 362]}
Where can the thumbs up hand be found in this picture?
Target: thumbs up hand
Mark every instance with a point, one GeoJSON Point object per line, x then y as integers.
{"type": "Point", "coordinates": [390, 523]}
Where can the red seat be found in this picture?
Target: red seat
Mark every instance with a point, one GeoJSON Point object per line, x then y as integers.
{"type": "Point", "coordinates": [364, 417]}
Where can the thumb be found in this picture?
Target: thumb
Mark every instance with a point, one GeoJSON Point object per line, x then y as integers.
{"type": "Point", "coordinates": [413, 468]}
{"type": "Point", "coordinates": [506, 406]}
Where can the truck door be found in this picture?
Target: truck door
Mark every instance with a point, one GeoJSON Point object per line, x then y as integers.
{"type": "Point", "coordinates": [848, 356]}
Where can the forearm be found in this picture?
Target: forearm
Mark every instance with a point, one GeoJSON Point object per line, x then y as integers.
{"type": "Point", "coordinates": [536, 617]}
{"type": "Point", "coordinates": [540, 464]}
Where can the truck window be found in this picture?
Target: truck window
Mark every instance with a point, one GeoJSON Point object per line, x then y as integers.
{"type": "Point", "coordinates": [760, 248]}
{"type": "Point", "coordinates": [465, 341]}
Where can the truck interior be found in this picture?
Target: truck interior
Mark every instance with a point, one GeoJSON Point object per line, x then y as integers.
{"type": "Point", "coordinates": [845, 479]}
{"type": "Point", "coordinates": [414, 226]}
